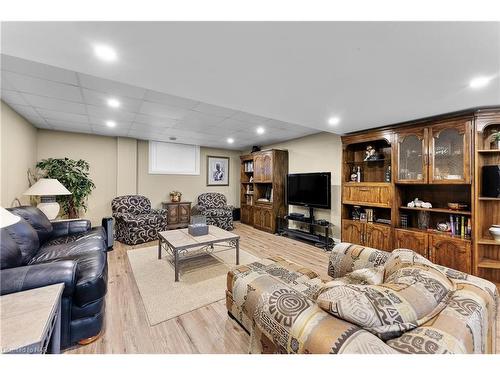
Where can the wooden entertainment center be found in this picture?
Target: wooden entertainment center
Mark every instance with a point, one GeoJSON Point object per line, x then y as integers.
{"type": "Point", "coordinates": [262, 188]}
{"type": "Point", "coordinates": [437, 160]}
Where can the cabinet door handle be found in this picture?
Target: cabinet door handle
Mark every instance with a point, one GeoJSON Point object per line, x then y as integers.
{"type": "Point", "coordinates": [363, 189]}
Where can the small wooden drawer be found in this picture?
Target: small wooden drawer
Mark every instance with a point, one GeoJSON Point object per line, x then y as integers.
{"type": "Point", "coordinates": [368, 194]}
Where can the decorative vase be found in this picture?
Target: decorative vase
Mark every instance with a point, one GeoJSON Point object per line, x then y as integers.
{"type": "Point", "coordinates": [495, 232]}
{"type": "Point", "coordinates": [423, 219]}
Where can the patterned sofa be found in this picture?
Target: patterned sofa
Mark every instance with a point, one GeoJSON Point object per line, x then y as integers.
{"type": "Point", "coordinates": [373, 302]}
{"type": "Point", "coordinates": [135, 221]}
{"type": "Point", "coordinates": [214, 207]}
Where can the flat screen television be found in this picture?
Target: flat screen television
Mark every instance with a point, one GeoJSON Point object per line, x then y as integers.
{"type": "Point", "coordinates": [309, 189]}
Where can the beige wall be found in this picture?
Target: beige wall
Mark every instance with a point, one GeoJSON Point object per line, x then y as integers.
{"type": "Point", "coordinates": [119, 166]}
{"type": "Point", "coordinates": [157, 187]}
{"type": "Point", "coordinates": [126, 162]}
{"type": "Point", "coordinates": [99, 151]}
{"type": "Point", "coordinates": [320, 152]}
{"type": "Point", "coordinates": [17, 155]}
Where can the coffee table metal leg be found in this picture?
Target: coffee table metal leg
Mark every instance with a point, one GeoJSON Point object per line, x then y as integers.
{"type": "Point", "coordinates": [159, 248]}
{"type": "Point", "coordinates": [176, 264]}
{"type": "Point", "coordinates": [237, 252]}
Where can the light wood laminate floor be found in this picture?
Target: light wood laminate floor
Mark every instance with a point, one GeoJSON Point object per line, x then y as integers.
{"type": "Point", "coordinates": [206, 330]}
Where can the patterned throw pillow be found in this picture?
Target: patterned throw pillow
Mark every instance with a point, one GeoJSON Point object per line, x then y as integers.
{"type": "Point", "coordinates": [413, 291]}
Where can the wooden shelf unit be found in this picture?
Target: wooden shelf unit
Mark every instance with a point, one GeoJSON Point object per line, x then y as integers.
{"type": "Point", "coordinates": [436, 159]}
{"type": "Point", "coordinates": [267, 171]}
{"type": "Point", "coordinates": [486, 209]}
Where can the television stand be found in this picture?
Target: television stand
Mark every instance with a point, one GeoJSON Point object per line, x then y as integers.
{"type": "Point", "coordinates": [320, 240]}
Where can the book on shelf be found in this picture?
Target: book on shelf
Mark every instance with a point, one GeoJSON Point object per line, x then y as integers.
{"type": "Point", "coordinates": [460, 226]}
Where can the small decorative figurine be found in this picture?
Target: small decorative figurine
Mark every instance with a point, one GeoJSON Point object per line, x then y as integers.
{"type": "Point", "coordinates": [370, 153]}
{"type": "Point", "coordinates": [354, 175]}
{"type": "Point", "coordinates": [419, 204]}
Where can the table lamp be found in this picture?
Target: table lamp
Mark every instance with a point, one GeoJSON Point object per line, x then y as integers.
{"type": "Point", "coordinates": [7, 218]}
{"type": "Point", "coordinates": [47, 189]}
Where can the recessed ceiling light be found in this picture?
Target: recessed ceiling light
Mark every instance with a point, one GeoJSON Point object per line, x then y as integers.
{"type": "Point", "coordinates": [333, 121]}
{"type": "Point", "coordinates": [105, 53]}
{"type": "Point", "coordinates": [110, 124]}
{"type": "Point", "coordinates": [479, 82]}
{"type": "Point", "coordinates": [260, 130]}
{"type": "Point", "coordinates": [230, 140]}
{"type": "Point", "coordinates": [113, 103]}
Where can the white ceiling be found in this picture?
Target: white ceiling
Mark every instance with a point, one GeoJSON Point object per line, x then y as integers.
{"type": "Point", "coordinates": [55, 98]}
{"type": "Point", "coordinates": [367, 73]}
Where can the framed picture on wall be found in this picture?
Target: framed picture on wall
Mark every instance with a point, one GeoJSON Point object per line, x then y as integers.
{"type": "Point", "coordinates": [217, 171]}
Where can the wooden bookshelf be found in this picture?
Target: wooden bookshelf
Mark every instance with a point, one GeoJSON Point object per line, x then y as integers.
{"type": "Point", "coordinates": [262, 188]}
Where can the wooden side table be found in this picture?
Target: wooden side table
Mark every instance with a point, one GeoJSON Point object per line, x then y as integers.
{"type": "Point", "coordinates": [31, 319]}
{"type": "Point", "coordinates": [178, 214]}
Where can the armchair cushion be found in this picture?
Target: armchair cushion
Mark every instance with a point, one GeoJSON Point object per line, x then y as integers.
{"type": "Point", "coordinates": [136, 221]}
{"type": "Point", "coordinates": [218, 212]}
{"type": "Point", "coordinates": [132, 204]}
{"type": "Point", "coordinates": [212, 200]}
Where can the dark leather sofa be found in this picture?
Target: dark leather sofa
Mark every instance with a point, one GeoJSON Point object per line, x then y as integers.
{"type": "Point", "coordinates": [35, 252]}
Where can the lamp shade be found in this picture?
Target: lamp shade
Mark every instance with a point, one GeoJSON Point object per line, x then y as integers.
{"type": "Point", "coordinates": [7, 218]}
{"type": "Point", "coordinates": [47, 186]}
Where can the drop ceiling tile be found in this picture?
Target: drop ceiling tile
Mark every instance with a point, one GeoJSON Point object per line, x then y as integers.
{"type": "Point", "coordinates": [62, 116]}
{"type": "Point", "coordinates": [74, 130]}
{"type": "Point", "coordinates": [172, 100]}
{"type": "Point", "coordinates": [200, 119]}
{"type": "Point", "coordinates": [100, 99]}
{"type": "Point", "coordinates": [12, 97]}
{"type": "Point", "coordinates": [250, 118]}
{"type": "Point", "coordinates": [25, 110]}
{"type": "Point", "coordinates": [115, 132]}
{"type": "Point", "coordinates": [232, 124]}
{"type": "Point", "coordinates": [68, 124]}
{"type": "Point", "coordinates": [110, 87]}
{"type": "Point", "coordinates": [107, 113]}
{"type": "Point", "coordinates": [54, 104]}
{"type": "Point", "coordinates": [155, 121]}
{"type": "Point", "coordinates": [214, 110]}
{"type": "Point", "coordinates": [95, 121]}
{"type": "Point", "coordinates": [39, 70]}
{"type": "Point", "coordinates": [43, 87]}
{"type": "Point", "coordinates": [162, 110]}
{"type": "Point", "coordinates": [37, 121]}
{"type": "Point", "coordinates": [5, 84]}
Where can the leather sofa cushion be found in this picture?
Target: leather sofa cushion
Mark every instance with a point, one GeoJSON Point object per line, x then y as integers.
{"type": "Point", "coordinates": [54, 250]}
{"type": "Point", "coordinates": [94, 233]}
{"type": "Point", "coordinates": [36, 219]}
{"type": "Point", "coordinates": [26, 239]}
{"type": "Point", "coordinates": [10, 254]}
{"type": "Point", "coordinates": [413, 292]}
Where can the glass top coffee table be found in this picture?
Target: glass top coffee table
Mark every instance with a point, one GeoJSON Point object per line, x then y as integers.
{"type": "Point", "coordinates": [180, 244]}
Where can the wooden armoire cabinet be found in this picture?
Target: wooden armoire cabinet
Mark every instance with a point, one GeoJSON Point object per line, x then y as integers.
{"type": "Point", "coordinates": [262, 190]}
{"type": "Point", "coordinates": [437, 160]}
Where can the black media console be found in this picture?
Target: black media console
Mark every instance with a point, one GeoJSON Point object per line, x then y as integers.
{"type": "Point", "coordinates": [321, 240]}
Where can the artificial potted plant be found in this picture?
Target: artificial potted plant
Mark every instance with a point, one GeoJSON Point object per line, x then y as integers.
{"type": "Point", "coordinates": [74, 175]}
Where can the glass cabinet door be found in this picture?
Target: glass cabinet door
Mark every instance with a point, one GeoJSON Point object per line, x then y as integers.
{"type": "Point", "coordinates": [411, 156]}
{"type": "Point", "coordinates": [450, 153]}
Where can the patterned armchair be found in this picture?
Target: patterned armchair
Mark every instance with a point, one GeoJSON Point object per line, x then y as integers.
{"type": "Point", "coordinates": [214, 207]}
{"type": "Point", "coordinates": [135, 221]}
